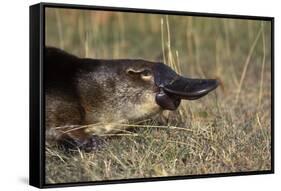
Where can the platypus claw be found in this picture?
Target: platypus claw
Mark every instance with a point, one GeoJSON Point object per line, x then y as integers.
{"type": "Point", "coordinates": [91, 144]}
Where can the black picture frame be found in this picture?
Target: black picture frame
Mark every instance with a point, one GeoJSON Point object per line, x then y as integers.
{"type": "Point", "coordinates": [37, 102]}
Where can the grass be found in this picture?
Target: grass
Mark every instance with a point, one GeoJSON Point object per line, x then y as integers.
{"type": "Point", "coordinates": [229, 130]}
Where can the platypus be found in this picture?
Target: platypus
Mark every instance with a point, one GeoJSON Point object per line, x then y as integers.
{"type": "Point", "coordinates": [83, 91]}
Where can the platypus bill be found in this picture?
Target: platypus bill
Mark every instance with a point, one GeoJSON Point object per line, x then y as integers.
{"type": "Point", "coordinates": [82, 91]}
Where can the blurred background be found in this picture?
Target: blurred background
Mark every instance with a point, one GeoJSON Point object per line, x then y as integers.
{"type": "Point", "coordinates": [229, 129]}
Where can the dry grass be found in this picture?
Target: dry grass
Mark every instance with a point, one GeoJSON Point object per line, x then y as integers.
{"type": "Point", "coordinates": [227, 131]}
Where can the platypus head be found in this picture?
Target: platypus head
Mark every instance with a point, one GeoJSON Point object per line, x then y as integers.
{"type": "Point", "coordinates": [124, 90]}
{"type": "Point", "coordinates": [128, 90]}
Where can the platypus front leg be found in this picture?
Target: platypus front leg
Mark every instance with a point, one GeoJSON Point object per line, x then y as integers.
{"type": "Point", "coordinates": [74, 138]}
{"type": "Point", "coordinates": [89, 144]}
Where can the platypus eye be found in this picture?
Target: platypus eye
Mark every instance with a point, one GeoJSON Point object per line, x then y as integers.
{"type": "Point", "coordinates": [145, 74]}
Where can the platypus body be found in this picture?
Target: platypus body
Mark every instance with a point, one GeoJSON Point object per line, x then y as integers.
{"type": "Point", "coordinates": [81, 92]}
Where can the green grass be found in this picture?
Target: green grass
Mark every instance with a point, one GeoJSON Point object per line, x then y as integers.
{"type": "Point", "coordinates": [229, 130]}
